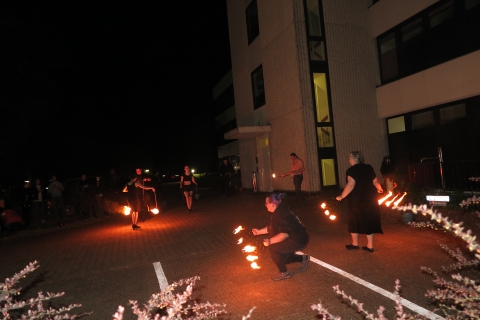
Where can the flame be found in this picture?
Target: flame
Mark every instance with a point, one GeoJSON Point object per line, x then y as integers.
{"type": "Point", "coordinates": [126, 210]}
{"type": "Point", "coordinates": [254, 265]}
{"type": "Point", "coordinates": [323, 206]}
{"type": "Point", "coordinates": [399, 200]}
{"type": "Point", "coordinates": [252, 258]}
{"type": "Point", "coordinates": [327, 212]}
{"type": "Point", "coordinates": [388, 203]}
{"type": "Point", "coordinates": [249, 249]}
{"type": "Point", "coordinates": [333, 217]}
{"type": "Point", "coordinates": [240, 241]}
{"type": "Point", "coordinates": [155, 211]}
{"type": "Point", "coordinates": [273, 175]}
{"type": "Point", "coordinates": [385, 198]}
{"type": "Point", "coordinates": [240, 228]}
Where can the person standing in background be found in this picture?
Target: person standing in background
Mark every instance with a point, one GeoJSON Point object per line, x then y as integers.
{"type": "Point", "coordinates": [55, 189]}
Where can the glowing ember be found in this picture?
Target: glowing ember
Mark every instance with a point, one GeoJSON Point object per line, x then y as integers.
{"type": "Point", "coordinates": [249, 249]}
{"type": "Point", "coordinates": [333, 217]}
{"type": "Point", "coordinates": [399, 200]}
{"type": "Point", "coordinates": [240, 241]}
{"type": "Point", "coordinates": [385, 198]}
{"type": "Point", "coordinates": [254, 265]}
{"type": "Point", "coordinates": [323, 206]}
{"type": "Point", "coordinates": [252, 258]}
{"type": "Point", "coordinates": [273, 175]}
{"type": "Point", "coordinates": [327, 212]}
{"type": "Point", "coordinates": [240, 228]}
{"type": "Point", "coordinates": [155, 211]}
{"type": "Point", "coordinates": [388, 203]}
{"type": "Point", "coordinates": [126, 210]}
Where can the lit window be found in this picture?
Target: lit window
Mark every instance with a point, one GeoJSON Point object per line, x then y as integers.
{"type": "Point", "coordinates": [321, 97]}
{"type": "Point", "coordinates": [396, 125]}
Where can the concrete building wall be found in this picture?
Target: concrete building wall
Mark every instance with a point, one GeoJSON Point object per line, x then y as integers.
{"type": "Point", "coordinates": [282, 51]}
{"type": "Point", "coordinates": [450, 81]}
{"type": "Point", "coordinates": [354, 75]}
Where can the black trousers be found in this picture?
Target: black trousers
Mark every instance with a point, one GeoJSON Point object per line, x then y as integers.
{"type": "Point", "coordinates": [283, 253]}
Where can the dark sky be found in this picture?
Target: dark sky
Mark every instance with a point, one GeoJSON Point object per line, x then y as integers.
{"type": "Point", "coordinates": [90, 85]}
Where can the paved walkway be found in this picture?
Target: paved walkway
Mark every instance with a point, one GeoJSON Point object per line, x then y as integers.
{"type": "Point", "coordinates": [105, 264]}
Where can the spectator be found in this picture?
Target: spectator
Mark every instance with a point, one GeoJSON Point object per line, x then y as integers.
{"type": "Point", "coordinates": [98, 191]}
{"type": "Point", "coordinates": [27, 202]}
{"type": "Point", "coordinates": [55, 189]}
{"type": "Point", "coordinates": [38, 206]}
{"type": "Point", "coordinates": [83, 191]}
{"type": "Point", "coordinates": [226, 174]}
{"type": "Point", "coordinates": [387, 169]}
{"type": "Point", "coordinates": [112, 185]}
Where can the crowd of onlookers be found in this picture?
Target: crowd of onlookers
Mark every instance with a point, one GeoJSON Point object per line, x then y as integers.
{"type": "Point", "coordinates": [36, 203]}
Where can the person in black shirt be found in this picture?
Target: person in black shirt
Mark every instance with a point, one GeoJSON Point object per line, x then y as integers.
{"type": "Point", "coordinates": [187, 180]}
{"type": "Point", "coordinates": [286, 234]}
{"type": "Point", "coordinates": [226, 174]}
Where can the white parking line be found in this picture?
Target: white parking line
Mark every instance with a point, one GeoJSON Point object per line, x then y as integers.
{"type": "Point", "coordinates": [162, 280]}
{"type": "Point", "coordinates": [410, 305]}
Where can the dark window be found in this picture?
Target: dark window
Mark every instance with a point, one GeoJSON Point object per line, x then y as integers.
{"type": "Point", "coordinates": [388, 56]}
{"type": "Point", "coordinates": [469, 4]}
{"type": "Point", "coordinates": [225, 100]}
{"type": "Point", "coordinates": [258, 88]}
{"type": "Point", "coordinates": [253, 29]}
{"type": "Point", "coordinates": [444, 31]}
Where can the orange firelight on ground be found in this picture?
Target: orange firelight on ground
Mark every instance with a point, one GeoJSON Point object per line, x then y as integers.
{"type": "Point", "coordinates": [254, 265]}
{"type": "Point", "coordinates": [155, 211]}
{"type": "Point", "coordinates": [323, 206]}
{"type": "Point", "coordinates": [385, 198]}
{"type": "Point", "coordinates": [126, 210]}
{"type": "Point", "coordinates": [399, 200]}
{"type": "Point", "coordinates": [249, 248]}
{"type": "Point", "coordinates": [252, 258]}
{"type": "Point", "coordinates": [240, 241]}
{"type": "Point", "coordinates": [240, 228]}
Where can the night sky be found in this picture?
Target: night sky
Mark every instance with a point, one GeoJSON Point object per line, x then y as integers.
{"type": "Point", "coordinates": [86, 86]}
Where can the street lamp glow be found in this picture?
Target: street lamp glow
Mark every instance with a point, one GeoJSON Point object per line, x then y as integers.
{"type": "Point", "coordinates": [193, 170]}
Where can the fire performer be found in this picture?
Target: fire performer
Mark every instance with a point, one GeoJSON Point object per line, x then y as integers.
{"type": "Point", "coordinates": [186, 183]}
{"type": "Point", "coordinates": [297, 173]}
{"type": "Point", "coordinates": [363, 211]}
{"type": "Point", "coordinates": [286, 235]}
{"type": "Point", "coordinates": [135, 198]}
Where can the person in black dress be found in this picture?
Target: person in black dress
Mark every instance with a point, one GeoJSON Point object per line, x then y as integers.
{"type": "Point", "coordinates": [361, 194]}
{"type": "Point", "coordinates": [187, 180]}
{"type": "Point", "coordinates": [286, 234]}
{"type": "Point", "coordinates": [135, 198]}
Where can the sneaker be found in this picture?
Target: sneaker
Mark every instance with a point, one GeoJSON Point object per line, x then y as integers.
{"type": "Point", "coordinates": [306, 260]}
{"type": "Point", "coordinates": [351, 247]}
{"type": "Point", "coordinates": [281, 276]}
{"type": "Point", "coordinates": [134, 227]}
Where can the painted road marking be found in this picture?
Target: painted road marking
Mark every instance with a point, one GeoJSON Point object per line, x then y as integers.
{"type": "Point", "coordinates": [410, 305]}
{"type": "Point", "coordinates": [162, 280]}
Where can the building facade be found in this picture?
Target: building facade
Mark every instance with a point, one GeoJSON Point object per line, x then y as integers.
{"type": "Point", "coordinates": [324, 77]}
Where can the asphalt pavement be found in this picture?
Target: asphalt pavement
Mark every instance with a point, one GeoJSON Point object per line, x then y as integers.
{"type": "Point", "coordinates": [104, 263]}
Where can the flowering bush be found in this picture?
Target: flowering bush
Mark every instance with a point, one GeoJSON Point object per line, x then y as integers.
{"type": "Point", "coordinates": [35, 306]}
{"type": "Point", "coordinates": [456, 299]}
